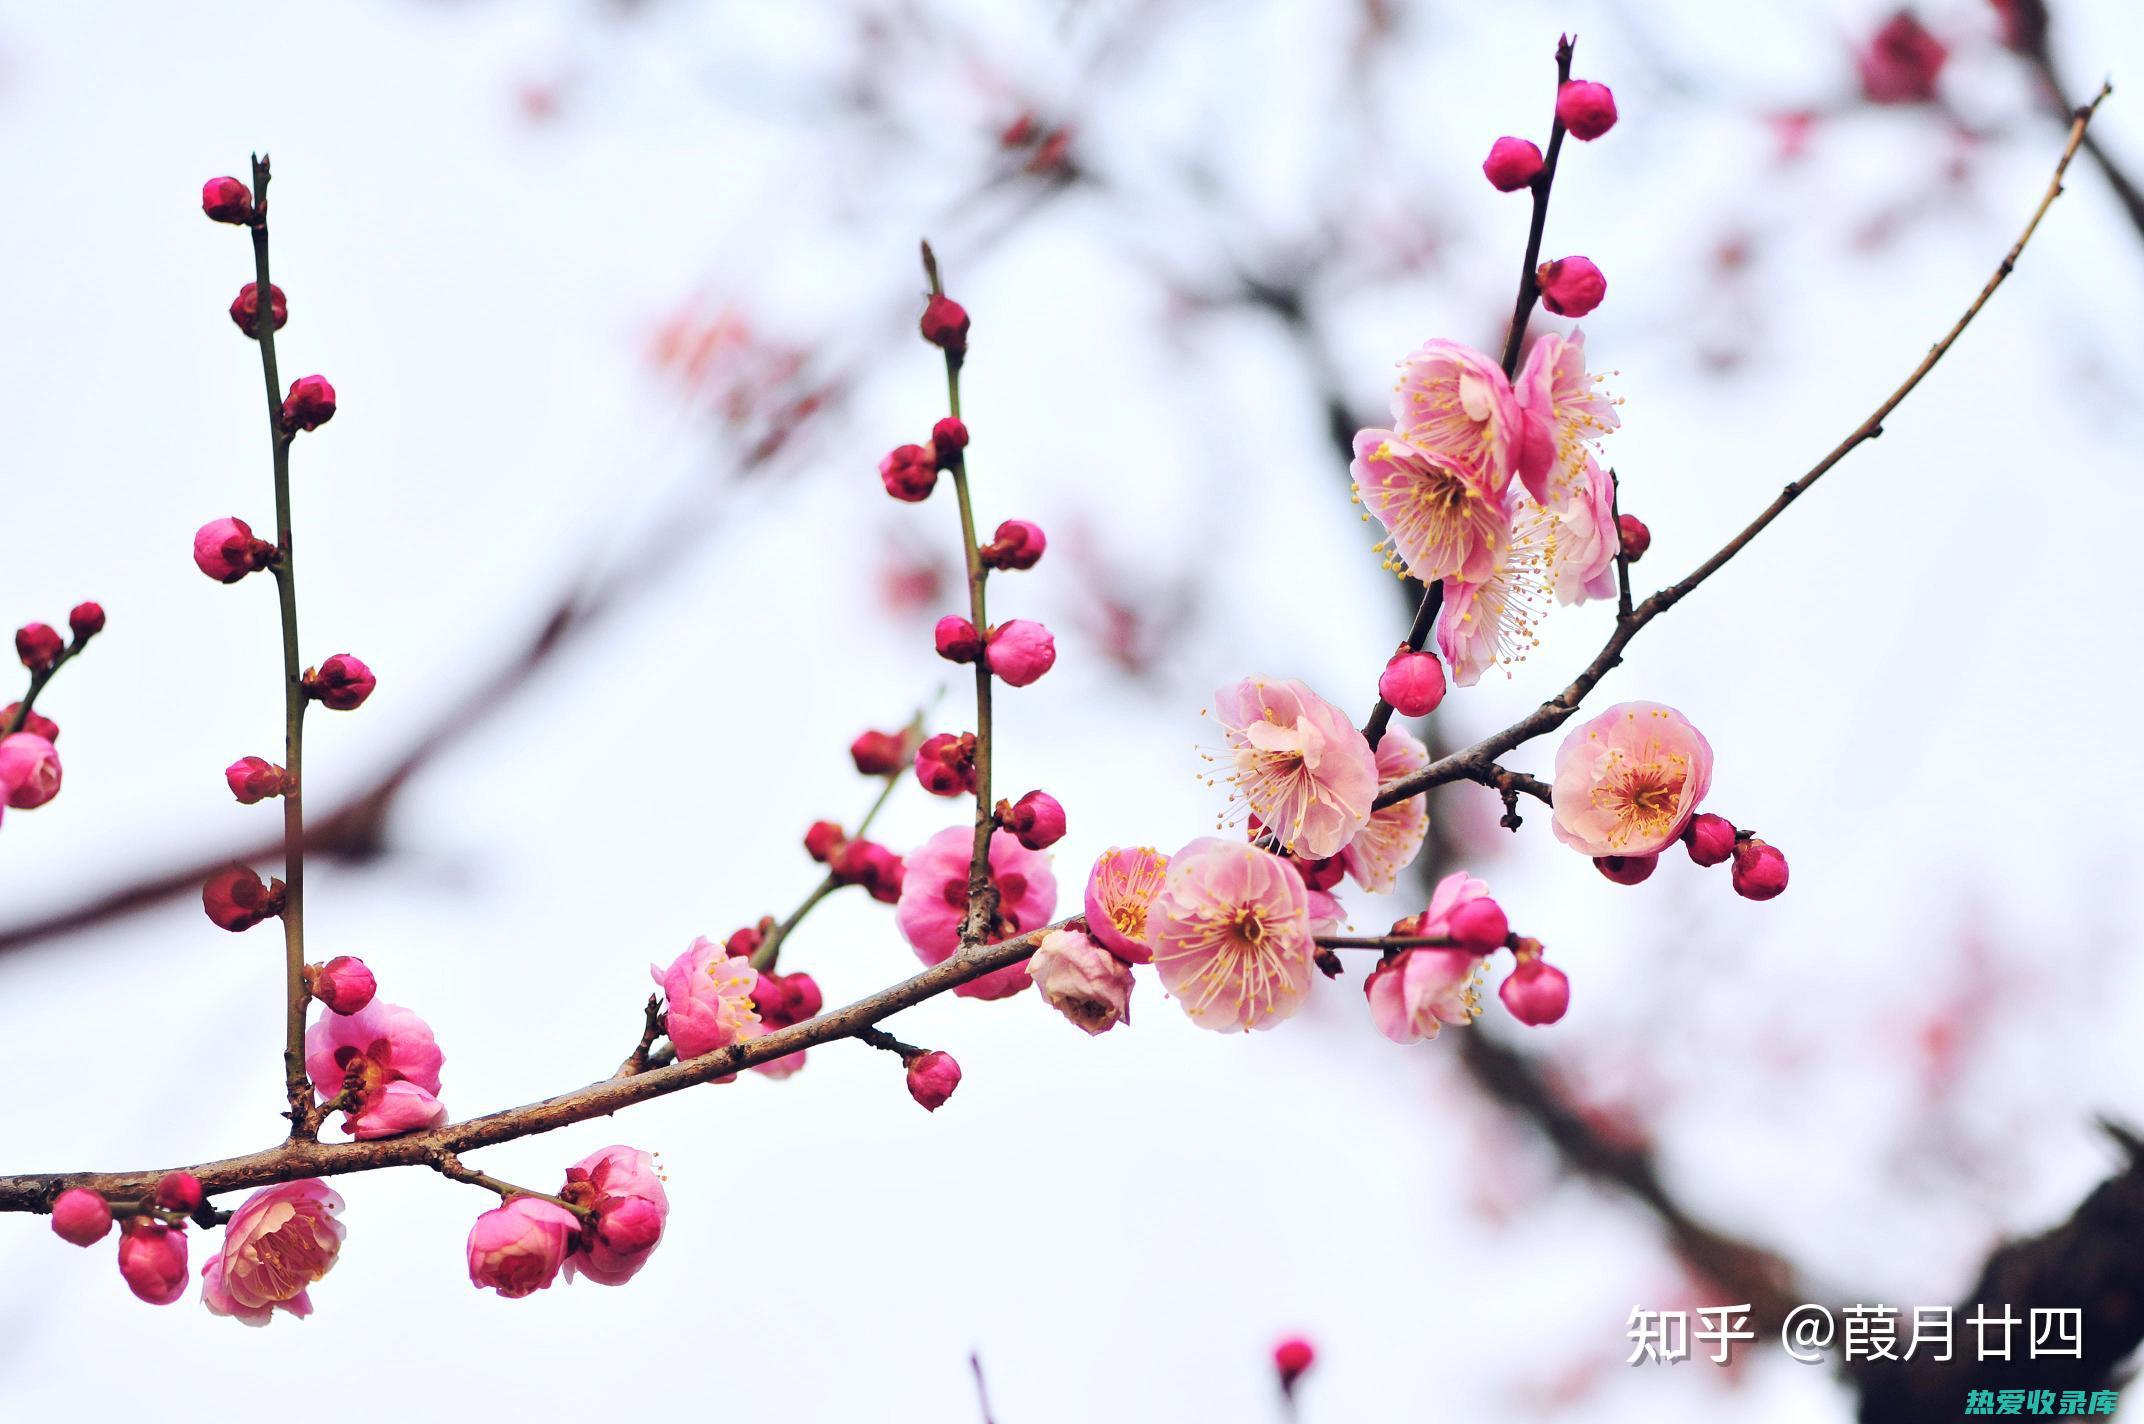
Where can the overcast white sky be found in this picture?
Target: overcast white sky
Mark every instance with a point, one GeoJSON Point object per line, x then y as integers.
{"type": "Point", "coordinates": [1919, 686]}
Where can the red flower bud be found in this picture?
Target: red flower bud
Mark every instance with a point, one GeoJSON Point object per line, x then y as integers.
{"type": "Point", "coordinates": [879, 753]}
{"type": "Point", "coordinates": [87, 621]}
{"type": "Point", "coordinates": [1292, 1359]}
{"type": "Point", "coordinates": [253, 779]}
{"type": "Point", "coordinates": [1571, 286]}
{"type": "Point", "coordinates": [236, 899]}
{"type": "Point", "coordinates": [932, 1077]}
{"type": "Point", "coordinates": [823, 839]}
{"type": "Point", "coordinates": [744, 943]}
{"type": "Point", "coordinates": [1480, 926]}
{"type": "Point", "coordinates": [39, 646]}
{"type": "Point", "coordinates": [343, 985]}
{"type": "Point", "coordinates": [1760, 870]}
{"type": "Point", "coordinates": [1513, 163]}
{"type": "Point", "coordinates": [1036, 820]}
{"type": "Point", "coordinates": [81, 1217]}
{"type": "Point", "coordinates": [341, 684]}
{"type": "Point", "coordinates": [1626, 869]}
{"type": "Point", "coordinates": [945, 325]}
{"type": "Point", "coordinates": [909, 473]}
{"type": "Point", "coordinates": [1586, 109]}
{"type": "Point", "coordinates": [180, 1192]}
{"type": "Point", "coordinates": [152, 1259]}
{"type": "Point", "coordinates": [227, 200]}
{"type": "Point", "coordinates": [310, 404]}
{"type": "Point", "coordinates": [957, 642]}
{"type": "Point", "coordinates": [1019, 651]}
{"type": "Point", "coordinates": [1710, 839]}
{"type": "Point", "coordinates": [1413, 683]}
{"type": "Point", "coordinates": [1635, 537]}
{"type": "Point", "coordinates": [1018, 545]}
{"type": "Point", "coordinates": [1901, 63]}
{"type": "Point", "coordinates": [948, 438]}
{"type": "Point", "coordinates": [246, 311]}
{"type": "Point", "coordinates": [1536, 992]}
{"type": "Point", "coordinates": [945, 764]}
{"type": "Point", "coordinates": [871, 865]}
{"type": "Point", "coordinates": [226, 550]}
{"type": "Point", "coordinates": [36, 722]}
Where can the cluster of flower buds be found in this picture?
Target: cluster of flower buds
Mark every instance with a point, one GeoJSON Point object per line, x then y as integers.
{"type": "Point", "coordinates": [945, 764]}
{"type": "Point", "coordinates": [604, 1223]}
{"type": "Point", "coordinates": [1569, 286]}
{"type": "Point", "coordinates": [1759, 869]}
{"type": "Point", "coordinates": [29, 762]}
{"type": "Point", "coordinates": [855, 861]}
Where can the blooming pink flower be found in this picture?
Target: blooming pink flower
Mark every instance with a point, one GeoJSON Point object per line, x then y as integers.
{"type": "Point", "coordinates": [1387, 843]}
{"type": "Point", "coordinates": [152, 1259]}
{"type": "Point", "coordinates": [707, 998]}
{"type": "Point", "coordinates": [393, 1057]}
{"type": "Point", "coordinates": [81, 1216]}
{"type": "Point", "coordinates": [180, 1192]}
{"type": "Point", "coordinates": [1019, 651]}
{"type": "Point", "coordinates": [1231, 935]}
{"type": "Point", "coordinates": [1571, 286]}
{"type": "Point", "coordinates": [1452, 895]}
{"type": "Point", "coordinates": [932, 1077]}
{"type": "Point", "coordinates": [1443, 517]}
{"type": "Point", "coordinates": [1298, 764]}
{"type": "Point", "coordinates": [1512, 164]}
{"type": "Point", "coordinates": [934, 900]}
{"type": "Point", "coordinates": [1627, 781]}
{"type": "Point", "coordinates": [1536, 992]}
{"type": "Point", "coordinates": [281, 1241]}
{"type": "Point", "coordinates": [1418, 991]}
{"type": "Point", "coordinates": [226, 550]}
{"type": "Point", "coordinates": [1083, 981]}
{"type": "Point", "coordinates": [1564, 412]}
{"type": "Point", "coordinates": [516, 1249]}
{"type": "Point", "coordinates": [1587, 109]}
{"type": "Point", "coordinates": [1583, 541]}
{"type": "Point", "coordinates": [626, 1193]}
{"type": "Point", "coordinates": [1453, 401]}
{"type": "Point", "coordinates": [1120, 889]}
{"type": "Point", "coordinates": [29, 770]}
{"type": "Point", "coordinates": [1496, 622]}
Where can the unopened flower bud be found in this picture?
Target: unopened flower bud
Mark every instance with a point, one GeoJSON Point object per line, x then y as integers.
{"type": "Point", "coordinates": [343, 985]}
{"type": "Point", "coordinates": [1292, 1359]}
{"type": "Point", "coordinates": [227, 200]}
{"type": "Point", "coordinates": [86, 620]}
{"type": "Point", "coordinates": [246, 311]}
{"type": "Point", "coordinates": [957, 640]}
{"type": "Point", "coordinates": [39, 645]}
{"type": "Point", "coordinates": [253, 779]}
{"type": "Point", "coordinates": [1413, 683]}
{"type": "Point", "coordinates": [1536, 992]}
{"type": "Point", "coordinates": [909, 473]}
{"type": "Point", "coordinates": [310, 404]}
{"type": "Point", "coordinates": [1901, 63]}
{"type": "Point", "coordinates": [1018, 545]}
{"type": "Point", "coordinates": [1480, 926]}
{"type": "Point", "coordinates": [1710, 839]}
{"type": "Point", "coordinates": [1635, 537]}
{"type": "Point", "coordinates": [945, 325]}
{"type": "Point", "coordinates": [1036, 820]}
{"type": "Point", "coordinates": [341, 684]}
{"type": "Point", "coordinates": [1513, 163]}
{"type": "Point", "coordinates": [879, 753]}
{"type": "Point", "coordinates": [1626, 869]}
{"type": "Point", "coordinates": [744, 943]}
{"type": "Point", "coordinates": [1760, 870]}
{"type": "Point", "coordinates": [823, 839]}
{"type": "Point", "coordinates": [1020, 651]}
{"type": "Point", "coordinates": [1571, 286]}
{"type": "Point", "coordinates": [932, 1077]}
{"type": "Point", "coordinates": [945, 764]}
{"type": "Point", "coordinates": [948, 438]}
{"type": "Point", "coordinates": [152, 1259]}
{"type": "Point", "coordinates": [29, 770]}
{"type": "Point", "coordinates": [1587, 109]}
{"type": "Point", "coordinates": [860, 862]}
{"type": "Point", "coordinates": [226, 550]}
{"type": "Point", "coordinates": [236, 899]}
{"type": "Point", "coordinates": [81, 1216]}
{"type": "Point", "coordinates": [180, 1192]}
{"type": "Point", "coordinates": [36, 722]}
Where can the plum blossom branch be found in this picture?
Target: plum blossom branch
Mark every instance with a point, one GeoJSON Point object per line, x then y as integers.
{"type": "Point", "coordinates": [450, 1166]}
{"type": "Point", "coordinates": [1476, 762]}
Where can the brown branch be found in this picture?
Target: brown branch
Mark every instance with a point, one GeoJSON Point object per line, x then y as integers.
{"type": "Point", "coordinates": [291, 1160]}
{"type": "Point", "coordinates": [1473, 762]}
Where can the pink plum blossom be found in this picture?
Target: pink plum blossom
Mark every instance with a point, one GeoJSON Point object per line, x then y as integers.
{"type": "Point", "coordinates": [516, 1249]}
{"type": "Point", "coordinates": [1082, 980]}
{"type": "Point", "coordinates": [622, 1187]}
{"type": "Point", "coordinates": [1443, 517]}
{"type": "Point", "coordinates": [277, 1244]}
{"type": "Point", "coordinates": [707, 998]}
{"type": "Point", "coordinates": [1418, 991]}
{"type": "Point", "coordinates": [934, 900]}
{"type": "Point", "coordinates": [1564, 412]}
{"type": "Point", "coordinates": [1387, 844]}
{"type": "Point", "coordinates": [1584, 541]}
{"type": "Point", "coordinates": [29, 770]}
{"type": "Point", "coordinates": [152, 1259]}
{"type": "Point", "coordinates": [1628, 780]}
{"type": "Point", "coordinates": [1121, 886]}
{"type": "Point", "coordinates": [1231, 935]}
{"type": "Point", "coordinates": [1452, 400]}
{"type": "Point", "coordinates": [1497, 622]}
{"type": "Point", "coordinates": [394, 1060]}
{"type": "Point", "coordinates": [1298, 764]}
